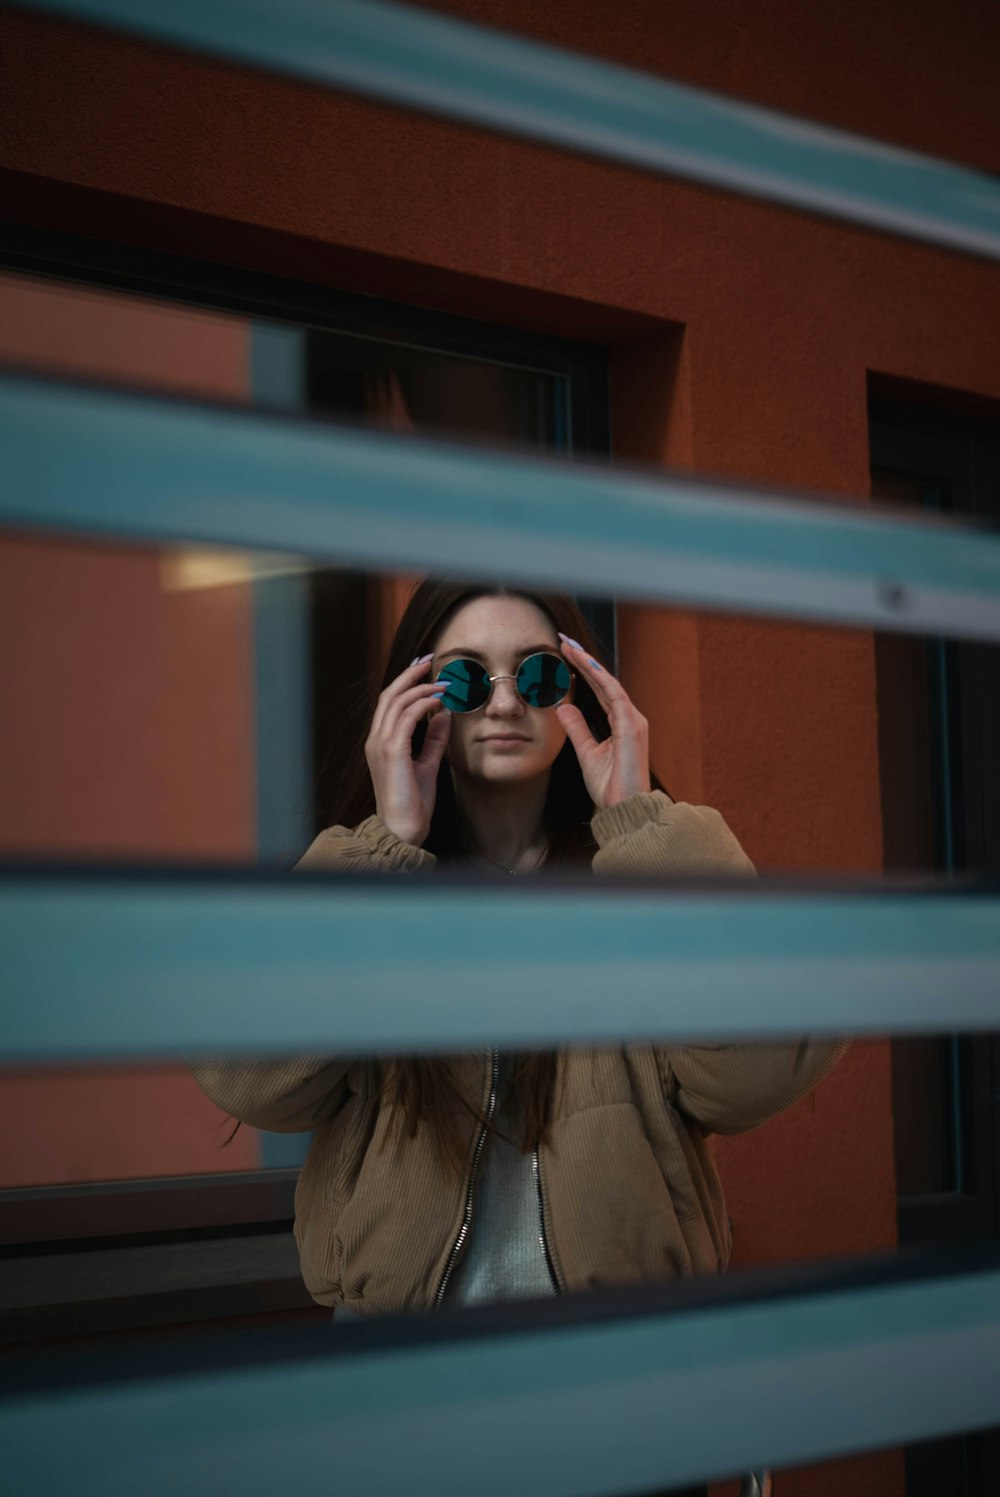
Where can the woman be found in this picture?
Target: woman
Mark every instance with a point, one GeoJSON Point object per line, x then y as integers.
{"type": "Point", "coordinates": [501, 741]}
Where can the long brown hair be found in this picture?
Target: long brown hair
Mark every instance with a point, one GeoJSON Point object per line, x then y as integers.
{"type": "Point", "coordinates": [568, 808]}
{"type": "Point", "coordinates": [422, 1088]}
{"type": "Point", "coordinates": [425, 1089]}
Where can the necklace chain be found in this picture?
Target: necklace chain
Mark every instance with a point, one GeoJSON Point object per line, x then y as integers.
{"type": "Point", "coordinates": [482, 857]}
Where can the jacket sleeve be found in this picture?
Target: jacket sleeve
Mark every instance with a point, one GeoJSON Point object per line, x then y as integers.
{"type": "Point", "coordinates": [652, 834]}
{"type": "Point", "coordinates": [281, 1094]}
{"type": "Point", "coordinates": [370, 848]}
{"type": "Point", "coordinates": [732, 1088]}
{"type": "Point", "coordinates": [284, 1094]}
{"type": "Point", "coordinates": [724, 1088]}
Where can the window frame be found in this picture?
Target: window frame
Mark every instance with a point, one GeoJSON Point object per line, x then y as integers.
{"type": "Point", "coordinates": [958, 454]}
{"type": "Point", "coordinates": [100, 1216]}
{"type": "Point", "coordinates": [107, 1209]}
{"type": "Point", "coordinates": [952, 445]}
{"type": "Point", "coordinates": [258, 294]}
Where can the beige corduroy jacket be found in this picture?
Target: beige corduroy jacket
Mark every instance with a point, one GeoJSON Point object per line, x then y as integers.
{"type": "Point", "coordinates": [628, 1190]}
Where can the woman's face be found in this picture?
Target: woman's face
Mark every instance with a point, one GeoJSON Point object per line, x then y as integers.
{"type": "Point", "coordinates": [505, 742]}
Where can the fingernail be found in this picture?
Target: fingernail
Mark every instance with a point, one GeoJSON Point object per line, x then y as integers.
{"type": "Point", "coordinates": [596, 666]}
{"type": "Point", "coordinates": [572, 642]}
{"type": "Point", "coordinates": [424, 658]}
{"type": "Point", "coordinates": [437, 695]}
{"type": "Point", "coordinates": [413, 662]}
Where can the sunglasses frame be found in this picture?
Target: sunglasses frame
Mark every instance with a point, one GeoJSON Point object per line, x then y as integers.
{"type": "Point", "coordinates": [469, 711]}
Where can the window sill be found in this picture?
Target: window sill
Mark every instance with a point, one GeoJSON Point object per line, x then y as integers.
{"type": "Point", "coordinates": [67, 1294]}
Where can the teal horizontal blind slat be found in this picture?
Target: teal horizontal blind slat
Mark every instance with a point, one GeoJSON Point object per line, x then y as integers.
{"type": "Point", "coordinates": [84, 459]}
{"type": "Point", "coordinates": [117, 966]}
{"type": "Point", "coordinates": [617, 1405]}
{"type": "Point", "coordinates": [447, 67]}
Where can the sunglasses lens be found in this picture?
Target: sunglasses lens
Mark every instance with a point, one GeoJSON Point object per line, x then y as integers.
{"type": "Point", "coordinates": [467, 685]}
{"type": "Point", "coordinates": [543, 680]}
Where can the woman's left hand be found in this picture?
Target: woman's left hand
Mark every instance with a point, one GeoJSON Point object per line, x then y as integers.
{"type": "Point", "coordinates": [618, 767]}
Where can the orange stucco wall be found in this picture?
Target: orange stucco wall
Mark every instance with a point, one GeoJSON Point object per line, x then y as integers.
{"type": "Point", "coordinates": [740, 338]}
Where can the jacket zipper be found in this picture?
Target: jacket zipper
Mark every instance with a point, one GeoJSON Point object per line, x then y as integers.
{"type": "Point", "coordinates": [463, 1230]}
{"type": "Point", "coordinates": [536, 1170]}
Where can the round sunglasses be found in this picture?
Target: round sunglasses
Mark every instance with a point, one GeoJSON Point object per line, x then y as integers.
{"type": "Point", "coordinates": [543, 680]}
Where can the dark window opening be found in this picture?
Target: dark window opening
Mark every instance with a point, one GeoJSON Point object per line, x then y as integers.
{"type": "Point", "coordinates": [475, 392]}
{"type": "Point", "coordinates": [939, 748]}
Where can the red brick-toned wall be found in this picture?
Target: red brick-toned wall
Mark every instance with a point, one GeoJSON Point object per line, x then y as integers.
{"type": "Point", "coordinates": [740, 339]}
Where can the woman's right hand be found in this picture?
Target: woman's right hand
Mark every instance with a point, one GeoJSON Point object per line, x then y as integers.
{"type": "Point", "coordinates": [406, 788]}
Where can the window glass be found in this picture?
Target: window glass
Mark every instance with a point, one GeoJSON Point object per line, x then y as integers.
{"type": "Point", "coordinates": [939, 732]}
{"type": "Point", "coordinates": [189, 703]}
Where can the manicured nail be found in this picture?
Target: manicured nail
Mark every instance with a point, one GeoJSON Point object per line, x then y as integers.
{"type": "Point", "coordinates": [424, 658]}
{"type": "Point", "coordinates": [596, 666]}
{"type": "Point", "coordinates": [437, 695]}
{"type": "Point", "coordinates": [571, 642]}
{"type": "Point", "coordinates": [413, 662]}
